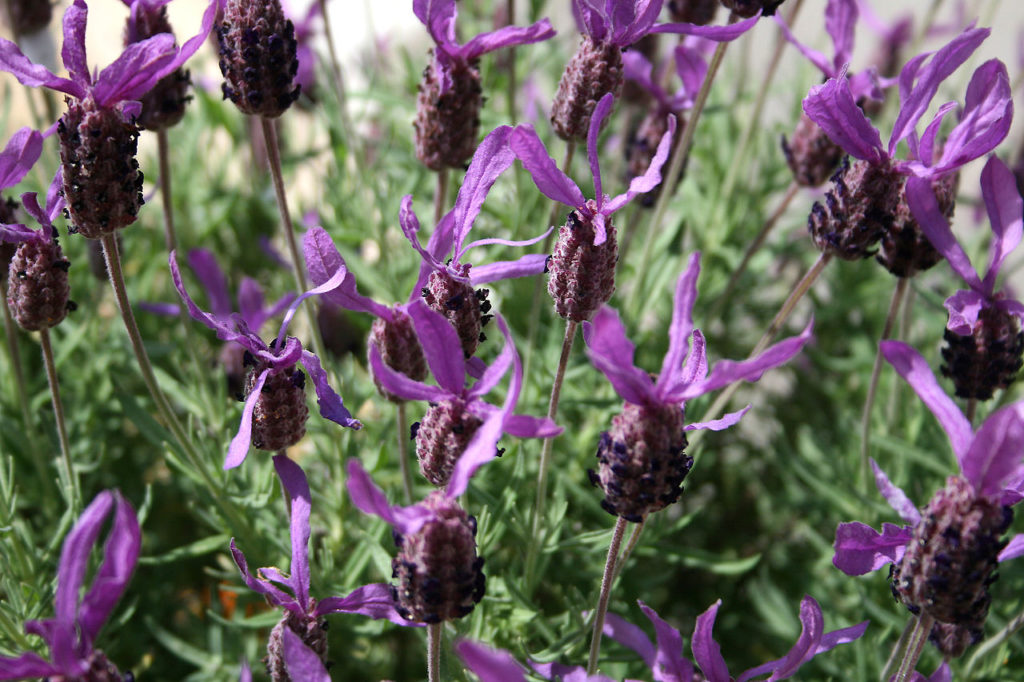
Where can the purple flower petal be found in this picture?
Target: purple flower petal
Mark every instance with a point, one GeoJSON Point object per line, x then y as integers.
{"type": "Point", "coordinates": [552, 182]}
{"type": "Point", "coordinates": [479, 451]}
{"type": "Point", "coordinates": [651, 178]}
{"type": "Point", "coordinates": [490, 160]}
{"type": "Point", "coordinates": [915, 370]}
{"type": "Point", "coordinates": [681, 327]}
{"type": "Point", "coordinates": [633, 20]}
{"type": "Point", "coordinates": [506, 242]}
{"type": "Point", "coordinates": [302, 662]}
{"type": "Point", "coordinates": [601, 111]}
{"type": "Point", "coordinates": [531, 264]}
{"type": "Point", "coordinates": [632, 636]}
{"type": "Point", "coordinates": [330, 403]}
{"type": "Point", "coordinates": [293, 478]}
{"type": "Point", "coordinates": [832, 106]}
{"type": "Point", "coordinates": [507, 37]}
{"type": "Point", "coordinates": [831, 640]}
{"type": "Point", "coordinates": [925, 150]}
{"type": "Point", "coordinates": [1005, 211]}
{"type": "Point", "coordinates": [637, 68]}
{"type": "Point", "coordinates": [861, 549]}
{"type": "Point", "coordinates": [691, 68]}
{"type": "Point", "coordinates": [410, 225]}
{"type": "Point", "coordinates": [73, 50]}
{"type": "Point", "coordinates": [401, 385]}
{"type": "Point", "coordinates": [812, 626]}
{"type": "Point", "coordinates": [840, 22]}
{"type": "Point", "coordinates": [439, 18]}
{"type": "Point", "coordinates": [719, 34]}
{"type": "Point", "coordinates": [925, 209]}
{"type": "Point", "coordinates": [367, 498]}
{"type": "Point", "coordinates": [441, 348]}
{"type": "Point", "coordinates": [26, 666]}
{"type": "Point", "coordinates": [204, 266]}
{"type": "Point", "coordinates": [264, 587]}
{"type": "Point", "coordinates": [669, 664]}
{"type": "Point", "coordinates": [706, 652]}
{"type": "Point", "coordinates": [34, 75]}
{"type": "Point", "coordinates": [497, 369]}
{"type": "Point", "coordinates": [594, 18]}
{"type": "Point", "coordinates": [612, 353]}
{"type": "Point", "coordinates": [224, 332]}
{"type": "Point", "coordinates": [164, 309]}
{"type": "Point", "coordinates": [490, 665]}
{"type": "Point", "coordinates": [251, 302]}
{"type": "Point", "coordinates": [239, 447]}
{"type": "Point", "coordinates": [718, 424]}
{"type": "Point", "coordinates": [372, 600]}
{"type": "Point", "coordinates": [18, 157]}
{"type": "Point", "coordinates": [996, 451]}
{"type": "Point", "coordinates": [15, 233]}
{"type": "Point", "coordinates": [135, 71]}
{"type": "Point", "coordinates": [323, 260]}
{"type": "Point", "coordinates": [525, 426]}
{"type": "Point", "coordinates": [244, 673]}
{"type": "Point", "coordinates": [1013, 549]}
{"type": "Point", "coordinates": [812, 55]}
{"type": "Point", "coordinates": [895, 496]}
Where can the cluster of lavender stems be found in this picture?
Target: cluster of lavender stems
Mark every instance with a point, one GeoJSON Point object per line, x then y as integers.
{"type": "Point", "coordinates": [888, 201]}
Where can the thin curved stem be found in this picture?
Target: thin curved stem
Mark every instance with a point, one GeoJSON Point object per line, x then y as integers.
{"type": "Point", "coordinates": [434, 652]}
{"type": "Point", "coordinates": [634, 540]}
{"type": "Point", "coordinates": [14, 355]}
{"type": "Point", "coordinates": [403, 451]}
{"type": "Point", "coordinates": [70, 480]}
{"type": "Point", "coordinates": [545, 455]}
{"type": "Point", "coordinates": [165, 190]}
{"type": "Point", "coordinates": [991, 643]}
{"type": "Point", "coordinates": [899, 650]}
{"type": "Point", "coordinates": [918, 638]}
{"type": "Point", "coordinates": [606, 592]}
{"type": "Point", "coordinates": [876, 372]}
{"type": "Point", "coordinates": [440, 193]}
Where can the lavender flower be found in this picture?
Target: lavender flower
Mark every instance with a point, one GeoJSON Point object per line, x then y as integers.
{"type": "Point", "coordinates": [863, 206]}
{"type": "Point", "coordinates": [667, 664]}
{"type": "Point", "coordinates": [583, 265]}
{"type": "Point", "coordinates": [642, 458]}
{"type": "Point", "coordinates": [72, 632]}
{"type": "Point", "coordinates": [16, 160]}
{"type": "Point", "coordinates": [98, 135]}
{"type": "Point", "coordinates": [944, 561]}
{"type": "Point", "coordinates": [460, 431]}
{"type": "Point", "coordinates": [448, 104]}
{"type": "Point", "coordinates": [446, 282]}
{"type": "Point", "coordinates": [305, 31]}
{"type": "Point", "coordinates": [498, 665]}
{"type": "Point", "coordinates": [983, 335]}
{"type": "Point", "coordinates": [275, 412]}
{"type": "Point", "coordinates": [297, 648]}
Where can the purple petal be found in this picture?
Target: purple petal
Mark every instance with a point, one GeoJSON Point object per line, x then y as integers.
{"type": "Point", "coordinates": [925, 151]}
{"type": "Point", "coordinates": [410, 225]}
{"type": "Point", "coordinates": [637, 68]}
{"type": "Point", "coordinates": [531, 264]}
{"type": "Point", "coordinates": [34, 75]}
{"type": "Point", "coordinates": [988, 111]}
{"type": "Point", "coordinates": [490, 665]}
{"type": "Point", "coordinates": [15, 233]}
{"type": "Point", "coordinates": [840, 22]}
{"type": "Point", "coordinates": [630, 635]}
{"type": "Point", "coordinates": [696, 366]}
{"type": "Point", "coordinates": [691, 68]}
{"type": "Point", "coordinates": [861, 549]}
{"type": "Point", "coordinates": [18, 157]}
{"type": "Point", "coordinates": [264, 587]}
{"type": "Point", "coordinates": [718, 424]}
{"type": "Point", "coordinates": [682, 325]}
{"type": "Point", "coordinates": [914, 102]}
{"type": "Point", "coordinates": [832, 106]}
{"type": "Point", "coordinates": [331, 405]}
{"type": "Point", "coordinates": [334, 282]}
{"type": "Point", "coordinates": [439, 18]}
{"type": "Point", "coordinates": [719, 34]}
{"type": "Point", "coordinates": [831, 640]}
{"type": "Point", "coordinates": [224, 332]}
{"type": "Point", "coordinates": [525, 426]}
{"type": "Point", "coordinates": [245, 673]}
{"type": "Point", "coordinates": [1013, 549]}
{"type": "Point", "coordinates": [552, 182]}
{"type": "Point", "coordinates": [1005, 211]}
{"type": "Point", "coordinates": [73, 50]}
{"type": "Point", "coordinates": [251, 302]}
{"type": "Point", "coordinates": [204, 266]}
{"type": "Point", "coordinates": [497, 369]}
{"type": "Point", "coordinates": [74, 558]}
{"type": "Point", "coordinates": [996, 451]}
{"type": "Point", "coordinates": [323, 260]}
{"type": "Point", "coordinates": [669, 664]}
{"type": "Point", "coordinates": [193, 44]}
{"type": "Point", "coordinates": [812, 55]}
{"type": "Point", "coordinates": [26, 666]}
{"type": "Point", "coordinates": [490, 160]}
{"type": "Point", "coordinates": [239, 447]}
{"type": "Point", "coordinates": [812, 626]}
{"type": "Point", "coordinates": [401, 385]}
{"type": "Point", "coordinates": [164, 309]}
{"type": "Point", "coordinates": [120, 555]}
{"type": "Point", "coordinates": [651, 178]}
{"type": "Point", "coordinates": [302, 662]}
{"type": "Point", "coordinates": [372, 600]}
{"type": "Point", "coordinates": [507, 37]}
{"type": "Point", "coordinates": [135, 71]}
{"type": "Point", "coordinates": [706, 652]}
{"type": "Point", "coordinates": [601, 111]}
{"type": "Point", "coordinates": [593, 17]}
{"type": "Point", "coordinates": [912, 367]}
{"type": "Point", "coordinates": [925, 209]}
{"type": "Point", "coordinates": [612, 353]}
{"type": "Point", "coordinates": [367, 498]}
{"type": "Point", "coordinates": [441, 348]}
{"type": "Point", "coordinates": [480, 450]}
{"type": "Point", "coordinates": [293, 478]}
{"type": "Point", "coordinates": [895, 496]}
{"type": "Point", "coordinates": [506, 242]}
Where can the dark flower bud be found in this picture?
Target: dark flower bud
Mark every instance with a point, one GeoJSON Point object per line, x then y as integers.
{"type": "Point", "coordinates": [279, 417]}
{"type": "Point", "coordinates": [442, 437]}
{"type": "Point", "coordinates": [582, 276]}
{"type": "Point", "coordinates": [37, 287]}
{"type": "Point", "coordinates": [458, 302]}
{"type": "Point", "coordinates": [858, 210]}
{"type": "Point", "coordinates": [952, 558]}
{"type": "Point", "coordinates": [904, 250]}
{"type": "Point", "coordinates": [642, 460]}
{"type": "Point", "coordinates": [100, 670]}
{"type": "Point", "coordinates": [699, 12]}
{"type": "Point", "coordinates": [258, 57]}
{"type": "Point", "coordinates": [29, 16]}
{"type": "Point", "coordinates": [400, 350]}
{"type": "Point", "coordinates": [953, 640]}
{"type": "Point", "coordinates": [987, 359]}
{"type": "Point", "coordinates": [164, 105]}
{"type": "Point", "coordinates": [748, 8]}
{"type": "Point", "coordinates": [811, 154]}
{"type": "Point", "coordinates": [439, 574]}
{"type": "Point", "coordinates": [102, 182]}
{"type": "Point", "coordinates": [447, 124]}
{"type": "Point", "coordinates": [594, 71]}
{"type": "Point", "coordinates": [310, 629]}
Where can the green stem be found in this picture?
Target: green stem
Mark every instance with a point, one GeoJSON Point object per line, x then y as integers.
{"type": "Point", "coordinates": [899, 650]}
{"type": "Point", "coordinates": [918, 638]}
{"type": "Point", "coordinates": [403, 451]}
{"type": "Point", "coordinates": [991, 643]}
{"type": "Point", "coordinates": [165, 190]}
{"type": "Point", "coordinates": [70, 480]}
{"type": "Point", "coordinates": [972, 408]}
{"type": "Point", "coordinates": [606, 591]}
{"type": "Point", "coordinates": [876, 372]}
{"type": "Point", "coordinates": [440, 193]}
{"type": "Point", "coordinates": [634, 540]}
{"type": "Point", "coordinates": [434, 652]}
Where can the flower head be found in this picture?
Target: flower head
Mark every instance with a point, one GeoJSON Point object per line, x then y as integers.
{"type": "Point", "coordinates": [78, 619]}
{"type": "Point", "coordinates": [276, 426]}
{"type": "Point", "coordinates": [302, 626]}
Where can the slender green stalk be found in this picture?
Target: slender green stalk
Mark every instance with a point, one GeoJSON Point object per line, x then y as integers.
{"type": "Point", "coordinates": [986, 647]}
{"type": "Point", "coordinates": [876, 372]}
{"type": "Point", "coordinates": [434, 652]}
{"type": "Point", "coordinates": [70, 480]}
{"type": "Point", "coordinates": [634, 540]}
{"type": "Point", "coordinates": [606, 592]}
{"type": "Point", "coordinates": [545, 455]}
{"type": "Point", "coordinates": [440, 193]}
{"type": "Point", "coordinates": [915, 646]}
{"type": "Point", "coordinates": [14, 355]}
{"type": "Point", "coordinates": [899, 650]}
{"type": "Point", "coordinates": [165, 190]}
{"type": "Point", "coordinates": [403, 451]}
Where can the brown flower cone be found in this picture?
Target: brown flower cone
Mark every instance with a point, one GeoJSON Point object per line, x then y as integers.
{"type": "Point", "coordinates": [904, 250]}
{"type": "Point", "coordinates": [29, 16]}
{"type": "Point", "coordinates": [8, 214]}
{"type": "Point", "coordinates": [987, 359]}
{"type": "Point", "coordinates": [279, 417]}
{"type": "Point", "coordinates": [311, 630]}
{"type": "Point", "coordinates": [442, 437]}
{"type": "Point", "coordinates": [38, 291]}
{"type": "Point", "coordinates": [594, 71]}
{"type": "Point", "coordinates": [400, 350]}
{"type": "Point", "coordinates": [582, 276]}
{"type": "Point", "coordinates": [859, 209]}
{"type": "Point", "coordinates": [465, 308]}
{"type": "Point", "coordinates": [447, 125]}
{"type": "Point", "coordinates": [811, 154]}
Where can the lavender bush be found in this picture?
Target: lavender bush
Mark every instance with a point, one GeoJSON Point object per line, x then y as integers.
{"type": "Point", "coordinates": [466, 575]}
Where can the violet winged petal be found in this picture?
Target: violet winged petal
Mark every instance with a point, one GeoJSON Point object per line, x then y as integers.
{"type": "Point", "coordinates": [719, 34]}
{"type": "Point", "coordinates": [525, 426]}
{"type": "Point", "coordinates": [482, 448]}
{"type": "Point", "coordinates": [244, 673]}
{"type": "Point", "coordinates": [830, 640]}
{"type": "Point", "coordinates": [331, 405]}
{"type": "Point", "coordinates": [860, 549]}
{"type": "Point", "coordinates": [497, 369]}
{"type": "Point", "coordinates": [293, 478]}
{"type": "Point", "coordinates": [696, 367]}
{"type": "Point", "coordinates": [323, 260]}
{"type": "Point", "coordinates": [601, 111]}
{"type": "Point", "coordinates": [669, 664]}
{"type": "Point", "coordinates": [163, 309]}
{"type": "Point", "coordinates": [1005, 211]}
{"type": "Point", "coordinates": [35, 75]}
{"type": "Point", "coordinates": [334, 282]}
{"type": "Point", "coordinates": [401, 385]}
{"type": "Point", "coordinates": [651, 177]}
{"type": "Point", "coordinates": [812, 55]}
{"type": "Point", "coordinates": [832, 106]}
{"type": "Point", "coordinates": [19, 155]}
{"type": "Point", "coordinates": [1014, 548]}
{"type": "Point", "coordinates": [895, 496]}
{"type": "Point", "coordinates": [812, 626]}
{"type": "Point", "coordinates": [632, 636]}
{"type": "Point", "coordinates": [135, 71]}
{"type": "Point", "coordinates": [594, 18]}
{"type": "Point", "coordinates": [924, 151]}
{"type": "Point", "coordinates": [525, 266]}
{"type": "Point", "coordinates": [368, 498]}
{"type": "Point", "coordinates": [720, 424]}
{"type": "Point", "coordinates": [239, 446]}
{"type": "Point", "coordinates": [302, 662]}
{"type": "Point", "coordinates": [373, 601]}
{"type": "Point", "coordinates": [642, 15]}
{"type": "Point", "coordinates": [682, 324]}
{"type": "Point", "coordinates": [439, 18]}
{"type": "Point", "coordinates": [490, 160]}
{"type": "Point", "coordinates": [550, 180]}
{"type": "Point", "coordinates": [74, 559]}
{"type": "Point", "coordinates": [504, 242]}
{"type": "Point", "coordinates": [15, 233]}
{"type": "Point", "coordinates": [251, 303]}
{"type": "Point", "coordinates": [692, 68]}
{"type": "Point", "coordinates": [73, 50]}
{"type": "Point", "coordinates": [508, 36]}
{"type": "Point", "coordinates": [441, 347]}
{"type": "Point", "coordinates": [224, 332]}
{"type": "Point", "coordinates": [204, 267]}
{"type": "Point", "coordinates": [637, 68]}
{"type": "Point", "coordinates": [490, 665]}
{"type": "Point", "coordinates": [925, 208]}
{"type": "Point", "coordinates": [26, 666]}
{"type": "Point", "coordinates": [909, 364]}
{"type": "Point", "coordinates": [706, 652]}
{"type": "Point", "coordinates": [996, 451]}
{"type": "Point", "coordinates": [612, 353]}
{"type": "Point", "coordinates": [1015, 308]}
{"type": "Point", "coordinates": [30, 203]}
{"type": "Point", "coordinates": [840, 22]}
